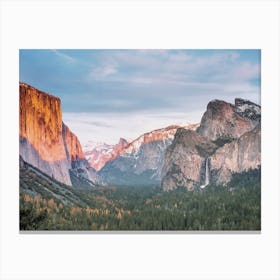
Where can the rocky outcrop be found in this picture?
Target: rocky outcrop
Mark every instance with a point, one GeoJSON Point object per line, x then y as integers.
{"type": "Point", "coordinates": [225, 121]}
{"type": "Point", "coordinates": [248, 110]}
{"type": "Point", "coordinates": [232, 135]}
{"type": "Point", "coordinates": [185, 159]}
{"type": "Point", "coordinates": [238, 156]}
{"type": "Point", "coordinates": [47, 143]}
{"type": "Point", "coordinates": [141, 161]}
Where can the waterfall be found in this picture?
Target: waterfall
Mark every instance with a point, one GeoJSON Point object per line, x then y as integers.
{"type": "Point", "coordinates": [207, 175]}
{"type": "Point", "coordinates": [207, 172]}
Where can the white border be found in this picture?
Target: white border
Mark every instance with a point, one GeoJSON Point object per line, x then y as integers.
{"type": "Point", "coordinates": [156, 24]}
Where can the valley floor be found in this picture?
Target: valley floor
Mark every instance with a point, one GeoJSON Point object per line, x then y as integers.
{"type": "Point", "coordinates": [237, 207]}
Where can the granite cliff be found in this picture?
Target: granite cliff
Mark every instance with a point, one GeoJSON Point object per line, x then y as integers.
{"type": "Point", "coordinates": [237, 156]}
{"type": "Point", "coordinates": [185, 159]}
{"type": "Point", "coordinates": [45, 141]}
{"type": "Point", "coordinates": [225, 121]}
{"type": "Point", "coordinates": [228, 139]}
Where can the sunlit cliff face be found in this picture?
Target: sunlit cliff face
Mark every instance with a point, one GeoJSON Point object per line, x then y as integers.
{"type": "Point", "coordinates": [45, 141]}
{"type": "Point", "coordinates": [41, 122]}
{"type": "Point", "coordinates": [73, 147]}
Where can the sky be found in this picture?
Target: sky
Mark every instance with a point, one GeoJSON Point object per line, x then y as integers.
{"type": "Point", "coordinates": [108, 94]}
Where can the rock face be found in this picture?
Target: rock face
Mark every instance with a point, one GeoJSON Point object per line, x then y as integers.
{"type": "Point", "coordinates": [41, 142]}
{"type": "Point", "coordinates": [141, 161]}
{"type": "Point", "coordinates": [185, 159]}
{"type": "Point", "coordinates": [78, 165]}
{"type": "Point", "coordinates": [225, 121]}
{"type": "Point", "coordinates": [72, 144]}
{"type": "Point", "coordinates": [45, 142]}
{"type": "Point", "coordinates": [229, 136]}
{"type": "Point", "coordinates": [240, 155]}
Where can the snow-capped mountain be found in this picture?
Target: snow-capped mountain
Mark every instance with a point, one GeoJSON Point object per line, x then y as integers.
{"type": "Point", "coordinates": [90, 145]}
{"type": "Point", "coordinates": [140, 162]}
{"type": "Point", "coordinates": [162, 134]}
{"type": "Point", "coordinates": [98, 154]}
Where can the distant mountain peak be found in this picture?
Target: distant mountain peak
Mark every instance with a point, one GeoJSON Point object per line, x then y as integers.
{"type": "Point", "coordinates": [141, 161]}
{"type": "Point", "coordinates": [122, 141]}
{"type": "Point", "coordinates": [102, 153]}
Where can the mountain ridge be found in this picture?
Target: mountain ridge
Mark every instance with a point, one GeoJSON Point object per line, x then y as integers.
{"type": "Point", "coordinates": [140, 162]}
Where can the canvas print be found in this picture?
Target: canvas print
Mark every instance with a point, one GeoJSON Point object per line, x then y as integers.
{"type": "Point", "coordinates": [139, 140]}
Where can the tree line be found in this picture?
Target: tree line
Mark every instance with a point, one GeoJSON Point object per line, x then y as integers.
{"type": "Point", "coordinates": [235, 207]}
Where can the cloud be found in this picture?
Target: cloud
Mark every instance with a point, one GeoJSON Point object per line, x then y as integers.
{"type": "Point", "coordinates": [127, 125]}
{"type": "Point", "coordinates": [65, 57]}
{"type": "Point", "coordinates": [102, 72]}
{"type": "Point", "coordinates": [152, 67]}
{"type": "Point", "coordinates": [246, 71]}
{"type": "Point", "coordinates": [140, 83]}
